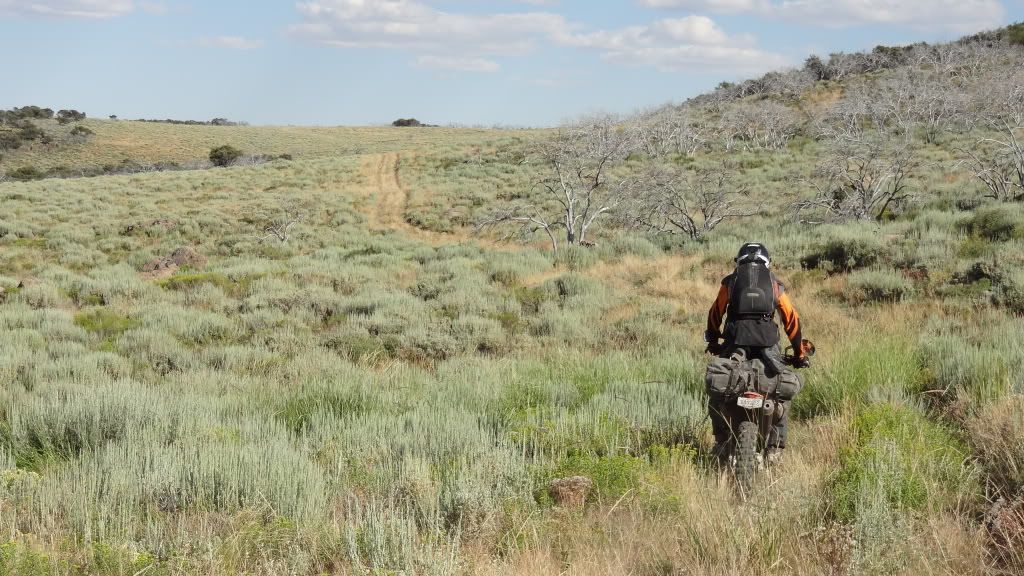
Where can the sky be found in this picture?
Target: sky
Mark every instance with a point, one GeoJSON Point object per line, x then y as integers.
{"type": "Point", "coordinates": [464, 62]}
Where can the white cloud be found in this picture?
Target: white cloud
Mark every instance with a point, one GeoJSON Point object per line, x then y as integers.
{"type": "Point", "coordinates": [232, 42]}
{"type": "Point", "coordinates": [414, 25]}
{"type": "Point", "coordinates": [67, 8]}
{"type": "Point", "coordinates": [691, 43]}
{"type": "Point", "coordinates": [719, 6]}
{"type": "Point", "coordinates": [469, 41]}
{"type": "Point", "coordinates": [457, 63]}
{"type": "Point", "coordinates": [952, 15]}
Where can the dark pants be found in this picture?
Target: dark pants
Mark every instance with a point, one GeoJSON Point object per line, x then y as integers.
{"type": "Point", "coordinates": [772, 359]}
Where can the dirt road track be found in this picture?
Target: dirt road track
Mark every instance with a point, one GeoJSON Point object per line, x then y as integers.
{"type": "Point", "coordinates": [391, 200]}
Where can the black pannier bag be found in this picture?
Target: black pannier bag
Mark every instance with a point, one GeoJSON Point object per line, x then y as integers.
{"type": "Point", "coordinates": [736, 375]}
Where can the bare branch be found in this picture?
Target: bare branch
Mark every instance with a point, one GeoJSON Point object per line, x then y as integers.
{"type": "Point", "coordinates": [280, 227]}
{"type": "Point", "coordinates": [692, 203]}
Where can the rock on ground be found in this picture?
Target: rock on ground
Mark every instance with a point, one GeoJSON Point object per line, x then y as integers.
{"type": "Point", "coordinates": [570, 492]}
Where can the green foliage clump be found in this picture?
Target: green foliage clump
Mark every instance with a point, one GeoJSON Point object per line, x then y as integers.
{"type": "Point", "coordinates": [225, 155]}
{"type": "Point", "coordinates": [69, 116]}
{"type": "Point", "coordinates": [16, 558]}
{"type": "Point", "coordinates": [880, 285]}
{"type": "Point", "coordinates": [996, 223]}
{"type": "Point", "coordinates": [900, 465]}
{"type": "Point", "coordinates": [1015, 33]}
{"type": "Point", "coordinates": [81, 133]}
{"type": "Point", "coordinates": [613, 476]}
{"type": "Point", "coordinates": [573, 288]}
{"type": "Point", "coordinates": [25, 174]}
{"type": "Point", "coordinates": [972, 359]}
{"type": "Point", "coordinates": [845, 253]}
{"type": "Point", "coordinates": [105, 323]}
{"type": "Point", "coordinates": [299, 410]}
{"type": "Point", "coordinates": [1005, 286]}
{"type": "Point", "coordinates": [577, 258]}
{"type": "Point", "coordinates": [186, 281]}
{"type": "Point", "coordinates": [865, 369]}
{"type": "Point", "coordinates": [900, 461]}
{"type": "Point", "coordinates": [1011, 293]}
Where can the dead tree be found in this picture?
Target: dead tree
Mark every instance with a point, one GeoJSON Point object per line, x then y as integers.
{"type": "Point", "coordinates": [280, 227]}
{"type": "Point", "coordinates": [692, 203]}
{"type": "Point", "coordinates": [764, 125]}
{"type": "Point", "coordinates": [672, 131]}
{"type": "Point", "coordinates": [524, 222]}
{"type": "Point", "coordinates": [861, 179]}
{"type": "Point", "coordinates": [585, 181]}
{"type": "Point", "coordinates": [998, 162]}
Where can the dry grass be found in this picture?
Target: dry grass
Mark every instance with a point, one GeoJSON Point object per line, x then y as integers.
{"type": "Point", "coordinates": [150, 143]}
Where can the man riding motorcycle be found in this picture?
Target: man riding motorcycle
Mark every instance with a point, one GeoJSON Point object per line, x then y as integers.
{"type": "Point", "coordinates": [748, 300]}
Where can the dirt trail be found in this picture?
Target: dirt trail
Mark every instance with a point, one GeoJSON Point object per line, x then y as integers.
{"type": "Point", "coordinates": [389, 203]}
{"type": "Point", "coordinates": [391, 200]}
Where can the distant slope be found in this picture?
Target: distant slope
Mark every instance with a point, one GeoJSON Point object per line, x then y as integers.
{"type": "Point", "coordinates": [152, 143]}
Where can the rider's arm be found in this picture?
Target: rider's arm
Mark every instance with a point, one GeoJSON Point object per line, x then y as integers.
{"type": "Point", "coordinates": [790, 322]}
{"type": "Point", "coordinates": [717, 313]}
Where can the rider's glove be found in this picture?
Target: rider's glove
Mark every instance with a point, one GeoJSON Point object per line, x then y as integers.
{"type": "Point", "coordinates": [712, 339]}
{"type": "Point", "coordinates": [801, 362]}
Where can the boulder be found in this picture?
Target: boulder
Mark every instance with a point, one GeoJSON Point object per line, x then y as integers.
{"type": "Point", "coordinates": [186, 256]}
{"type": "Point", "coordinates": [570, 492]}
{"type": "Point", "coordinates": [168, 265]}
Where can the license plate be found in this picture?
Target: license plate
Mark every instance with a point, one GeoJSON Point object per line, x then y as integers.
{"type": "Point", "coordinates": [750, 403]}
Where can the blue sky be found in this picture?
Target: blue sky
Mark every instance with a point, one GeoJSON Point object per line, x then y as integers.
{"type": "Point", "coordinates": [357, 62]}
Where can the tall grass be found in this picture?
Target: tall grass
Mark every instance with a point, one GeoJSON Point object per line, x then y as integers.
{"type": "Point", "coordinates": [356, 400]}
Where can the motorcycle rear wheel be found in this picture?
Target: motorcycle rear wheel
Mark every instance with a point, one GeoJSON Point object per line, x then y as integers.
{"type": "Point", "coordinates": [746, 458]}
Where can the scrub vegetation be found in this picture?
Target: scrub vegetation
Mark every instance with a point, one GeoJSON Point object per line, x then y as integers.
{"type": "Point", "coordinates": [364, 360]}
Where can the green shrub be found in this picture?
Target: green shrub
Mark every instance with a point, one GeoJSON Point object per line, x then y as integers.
{"type": "Point", "coordinates": [880, 285]}
{"type": "Point", "coordinates": [531, 298]}
{"type": "Point", "coordinates": [996, 222]}
{"type": "Point", "coordinates": [981, 271]}
{"type": "Point", "coordinates": [1015, 33]}
{"type": "Point", "coordinates": [957, 366]}
{"type": "Point", "coordinates": [25, 173]}
{"type": "Point", "coordinates": [69, 116]}
{"type": "Point", "coordinates": [184, 281]}
{"type": "Point", "coordinates": [861, 370]}
{"type": "Point", "coordinates": [903, 458]}
{"type": "Point", "coordinates": [299, 410]}
{"type": "Point", "coordinates": [571, 288]}
{"type": "Point", "coordinates": [613, 476]}
{"type": "Point", "coordinates": [105, 323]}
{"type": "Point", "coordinates": [843, 254]}
{"type": "Point", "coordinates": [1011, 293]}
{"type": "Point", "coordinates": [577, 258]}
{"type": "Point", "coordinates": [81, 132]}
{"type": "Point", "coordinates": [10, 140]}
{"type": "Point", "coordinates": [16, 558]}
{"type": "Point", "coordinates": [225, 155]}
{"type": "Point", "coordinates": [1006, 286]}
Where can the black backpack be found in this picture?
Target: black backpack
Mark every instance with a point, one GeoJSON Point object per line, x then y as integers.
{"type": "Point", "coordinates": [753, 296]}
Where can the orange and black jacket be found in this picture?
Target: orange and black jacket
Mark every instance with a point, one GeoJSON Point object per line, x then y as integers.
{"type": "Point", "coordinates": [783, 305]}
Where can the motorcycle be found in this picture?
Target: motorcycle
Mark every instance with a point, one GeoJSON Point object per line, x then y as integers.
{"type": "Point", "coordinates": [751, 407]}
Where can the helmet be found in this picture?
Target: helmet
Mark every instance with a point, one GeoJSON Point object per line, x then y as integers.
{"type": "Point", "coordinates": [754, 252]}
